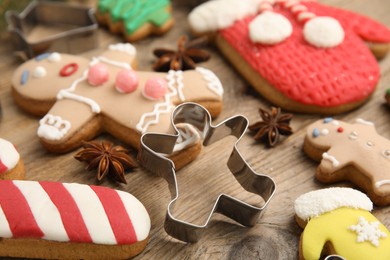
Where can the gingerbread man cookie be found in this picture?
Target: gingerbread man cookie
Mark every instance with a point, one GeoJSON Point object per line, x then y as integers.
{"type": "Point", "coordinates": [11, 165]}
{"type": "Point", "coordinates": [135, 19]}
{"type": "Point", "coordinates": [353, 152]}
{"type": "Point", "coordinates": [338, 221]}
{"type": "Point", "coordinates": [83, 98]}
{"type": "Point", "coordinates": [52, 220]}
{"type": "Point", "coordinates": [301, 55]}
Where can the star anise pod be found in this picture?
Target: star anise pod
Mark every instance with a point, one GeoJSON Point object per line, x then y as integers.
{"type": "Point", "coordinates": [184, 58]}
{"type": "Point", "coordinates": [273, 125]}
{"type": "Point", "coordinates": [108, 159]}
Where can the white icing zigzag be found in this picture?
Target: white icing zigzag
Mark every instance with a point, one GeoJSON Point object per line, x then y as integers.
{"type": "Point", "coordinates": [53, 127]}
{"type": "Point", "coordinates": [176, 77]}
{"type": "Point", "coordinates": [214, 84]}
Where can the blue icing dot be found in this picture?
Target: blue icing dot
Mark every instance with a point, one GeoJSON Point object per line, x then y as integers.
{"type": "Point", "coordinates": [327, 120]}
{"type": "Point", "coordinates": [42, 56]}
{"type": "Point", "coordinates": [316, 132]}
{"type": "Point", "coordinates": [24, 77]}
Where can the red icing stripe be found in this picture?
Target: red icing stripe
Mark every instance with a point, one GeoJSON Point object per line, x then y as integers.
{"type": "Point", "coordinates": [117, 215]}
{"type": "Point", "coordinates": [70, 214]}
{"type": "Point", "coordinates": [17, 211]}
{"type": "Point", "coordinates": [3, 168]}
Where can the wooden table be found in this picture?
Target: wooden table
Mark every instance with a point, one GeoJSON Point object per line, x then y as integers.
{"type": "Point", "coordinates": [276, 234]}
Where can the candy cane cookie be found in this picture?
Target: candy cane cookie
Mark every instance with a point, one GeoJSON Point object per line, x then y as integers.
{"type": "Point", "coordinates": [52, 220]}
{"type": "Point", "coordinates": [338, 221]}
{"type": "Point", "coordinates": [300, 55]}
{"type": "Point", "coordinates": [353, 152]}
{"type": "Point", "coordinates": [11, 165]}
{"type": "Point", "coordinates": [81, 98]}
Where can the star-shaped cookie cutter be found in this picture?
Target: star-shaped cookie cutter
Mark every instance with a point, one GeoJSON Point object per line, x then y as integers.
{"type": "Point", "coordinates": [71, 21]}
{"type": "Point", "coordinates": [154, 145]}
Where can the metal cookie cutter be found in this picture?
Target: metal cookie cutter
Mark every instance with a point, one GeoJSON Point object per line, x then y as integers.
{"type": "Point", "coordinates": [153, 145]}
{"type": "Point", "coordinates": [45, 25]}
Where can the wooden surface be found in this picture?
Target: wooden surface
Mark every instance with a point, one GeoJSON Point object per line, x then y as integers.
{"type": "Point", "coordinates": [276, 234]}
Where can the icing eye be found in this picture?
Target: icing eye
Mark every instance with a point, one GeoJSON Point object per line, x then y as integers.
{"type": "Point", "coordinates": [340, 130]}
{"type": "Point", "coordinates": [327, 120]}
{"type": "Point", "coordinates": [323, 32]}
{"type": "Point", "coordinates": [335, 122]}
{"type": "Point", "coordinates": [98, 74]}
{"type": "Point", "coordinates": [126, 81]}
{"type": "Point", "coordinates": [270, 28]}
{"type": "Point", "coordinates": [353, 135]}
{"type": "Point", "coordinates": [24, 77]}
{"type": "Point", "coordinates": [39, 72]}
{"type": "Point", "coordinates": [69, 69]}
{"type": "Point", "coordinates": [155, 88]}
{"type": "Point", "coordinates": [316, 132]}
{"type": "Point", "coordinates": [324, 131]}
{"type": "Point", "coordinates": [54, 57]}
{"type": "Point", "coordinates": [42, 56]}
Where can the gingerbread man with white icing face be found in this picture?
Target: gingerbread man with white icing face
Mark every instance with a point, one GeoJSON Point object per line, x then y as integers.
{"type": "Point", "coordinates": [83, 98]}
{"type": "Point", "coordinates": [353, 152]}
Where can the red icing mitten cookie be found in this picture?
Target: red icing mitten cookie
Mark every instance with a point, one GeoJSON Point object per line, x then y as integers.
{"type": "Point", "coordinates": [353, 152]}
{"type": "Point", "coordinates": [300, 55]}
{"type": "Point", "coordinates": [83, 98]}
{"type": "Point", "coordinates": [338, 221]}
{"type": "Point", "coordinates": [51, 220]}
{"type": "Point", "coordinates": [11, 165]}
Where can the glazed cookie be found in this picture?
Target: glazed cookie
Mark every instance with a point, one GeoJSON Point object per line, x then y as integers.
{"type": "Point", "coordinates": [11, 165]}
{"type": "Point", "coordinates": [301, 55]}
{"type": "Point", "coordinates": [87, 97]}
{"type": "Point", "coordinates": [135, 19]}
{"type": "Point", "coordinates": [338, 221]}
{"type": "Point", "coordinates": [50, 220]}
{"type": "Point", "coordinates": [353, 152]}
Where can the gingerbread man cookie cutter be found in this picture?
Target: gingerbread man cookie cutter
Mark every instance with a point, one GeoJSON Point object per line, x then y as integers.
{"type": "Point", "coordinates": [153, 145]}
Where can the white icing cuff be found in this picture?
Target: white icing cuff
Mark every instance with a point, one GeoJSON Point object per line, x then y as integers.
{"type": "Point", "coordinates": [53, 127]}
{"type": "Point", "coordinates": [323, 32]}
{"type": "Point", "coordinates": [188, 136]}
{"type": "Point", "coordinates": [316, 203]}
{"type": "Point", "coordinates": [270, 28]}
{"type": "Point", "coordinates": [123, 47]}
{"type": "Point", "coordinates": [219, 14]}
{"type": "Point", "coordinates": [9, 157]}
{"type": "Point", "coordinates": [213, 82]}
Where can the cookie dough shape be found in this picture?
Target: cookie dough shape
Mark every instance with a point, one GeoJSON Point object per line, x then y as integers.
{"type": "Point", "coordinates": [353, 152]}
{"type": "Point", "coordinates": [323, 66]}
{"type": "Point", "coordinates": [338, 221]}
{"type": "Point", "coordinates": [51, 220]}
{"type": "Point", "coordinates": [11, 165]}
{"type": "Point", "coordinates": [78, 110]}
{"type": "Point", "coordinates": [135, 19]}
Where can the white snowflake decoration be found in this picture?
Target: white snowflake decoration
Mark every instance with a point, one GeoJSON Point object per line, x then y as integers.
{"type": "Point", "coordinates": [368, 231]}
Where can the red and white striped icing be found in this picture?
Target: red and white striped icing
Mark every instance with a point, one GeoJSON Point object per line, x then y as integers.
{"type": "Point", "coordinates": [71, 212]}
{"type": "Point", "coordinates": [9, 157]}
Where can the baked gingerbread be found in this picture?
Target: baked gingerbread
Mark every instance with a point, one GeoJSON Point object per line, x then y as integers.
{"type": "Point", "coordinates": [82, 98]}
{"type": "Point", "coordinates": [338, 221]}
{"type": "Point", "coordinates": [11, 165]}
{"type": "Point", "coordinates": [51, 220]}
{"type": "Point", "coordinates": [135, 19]}
{"type": "Point", "coordinates": [300, 55]}
{"type": "Point", "coordinates": [353, 152]}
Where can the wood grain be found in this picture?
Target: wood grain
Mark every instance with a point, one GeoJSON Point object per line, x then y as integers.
{"type": "Point", "coordinates": [276, 234]}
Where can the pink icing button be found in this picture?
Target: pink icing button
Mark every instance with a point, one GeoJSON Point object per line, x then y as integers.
{"type": "Point", "coordinates": [126, 81]}
{"type": "Point", "coordinates": [155, 88]}
{"type": "Point", "coordinates": [98, 74]}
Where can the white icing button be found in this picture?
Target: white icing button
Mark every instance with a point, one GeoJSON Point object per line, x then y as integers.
{"type": "Point", "coordinates": [353, 135]}
{"type": "Point", "coordinates": [386, 153]}
{"type": "Point", "coordinates": [39, 72]}
{"type": "Point", "coordinates": [323, 32]}
{"type": "Point", "coordinates": [54, 57]}
{"type": "Point", "coordinates": [324, 131]}
{"type": "Point", "coordinates": [270, 28]}
{"type": "Point", "coordinates": [370, 144]}
{"type": "Point", "coordinates": [335, 122]}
